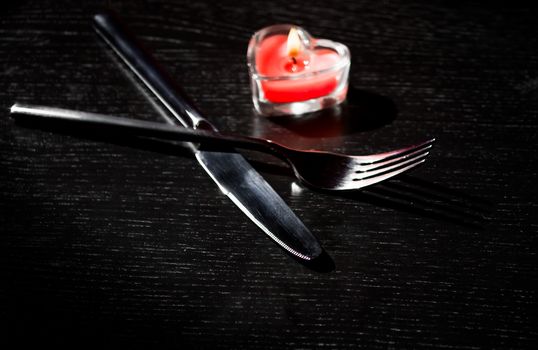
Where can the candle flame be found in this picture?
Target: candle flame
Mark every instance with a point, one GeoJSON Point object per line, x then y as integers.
{"type": "Point", "coordinates": [294, 43]}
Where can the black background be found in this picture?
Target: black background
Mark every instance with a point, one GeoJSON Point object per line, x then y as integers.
{"type": "Point", "coordinates": [113, 241]}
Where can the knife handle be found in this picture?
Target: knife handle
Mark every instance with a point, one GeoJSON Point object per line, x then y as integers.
{"type": "Point", "coordinates": [118, 37]}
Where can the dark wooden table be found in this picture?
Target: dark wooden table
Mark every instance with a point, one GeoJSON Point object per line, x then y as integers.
{"type": "Point", "coordinates": [124, 242]}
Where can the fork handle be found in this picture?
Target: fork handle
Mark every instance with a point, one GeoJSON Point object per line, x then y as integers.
{"type": "Point", "coordinates": [135, 127]}
{"type": "Point", "coordinates": [118, 37]}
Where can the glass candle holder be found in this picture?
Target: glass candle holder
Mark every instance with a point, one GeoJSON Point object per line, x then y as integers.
{"type": "Point", "coordinates": [293, 73]}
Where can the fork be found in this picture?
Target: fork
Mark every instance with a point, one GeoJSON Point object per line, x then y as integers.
{"type": "Point", "coordinates": [316, 169]}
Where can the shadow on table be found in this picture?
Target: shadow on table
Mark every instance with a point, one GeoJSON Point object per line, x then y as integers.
{"type": "Point", "coordinates": [410, 194]}
{"type": "Point", "coordinates": [362, 111]}
{"type": "Point", "coordinates": [323, 263]}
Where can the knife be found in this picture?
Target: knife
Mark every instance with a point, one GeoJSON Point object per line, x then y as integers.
{"type": "Point", "coordinates": [231, 172]}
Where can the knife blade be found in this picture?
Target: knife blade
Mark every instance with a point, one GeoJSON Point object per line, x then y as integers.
{"type": "Point", "coordinates": [229, 170]}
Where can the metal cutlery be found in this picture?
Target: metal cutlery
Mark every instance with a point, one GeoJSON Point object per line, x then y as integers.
{"type": "Point", "coordinates": [226, 167]}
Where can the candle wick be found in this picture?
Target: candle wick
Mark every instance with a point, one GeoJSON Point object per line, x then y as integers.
{"type": "Point", "coordinates": [294, 60]}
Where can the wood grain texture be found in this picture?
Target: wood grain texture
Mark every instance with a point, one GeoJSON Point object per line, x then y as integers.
{"type": "Point", "coordinates": [129, 242]}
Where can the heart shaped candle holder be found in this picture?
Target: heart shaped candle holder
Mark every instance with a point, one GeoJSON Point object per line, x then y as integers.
{"type": "Point", "coordinates": [293, 73]}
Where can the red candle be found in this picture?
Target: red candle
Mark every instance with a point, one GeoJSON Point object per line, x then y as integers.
{"type": "Point", "coordinates": [284, 56]}
{"type": "Point", "coordinates": [293, 73]}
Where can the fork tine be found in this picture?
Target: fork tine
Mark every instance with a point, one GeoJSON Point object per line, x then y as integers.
{"type": "Point", "coordinates": [365, 174]}
{"type": "Point", "coordinates": [385, 163]}
{"type": "Point", "coordinates": [359, 183]}
{"type": "Point", "coordinates": [380, 157]}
